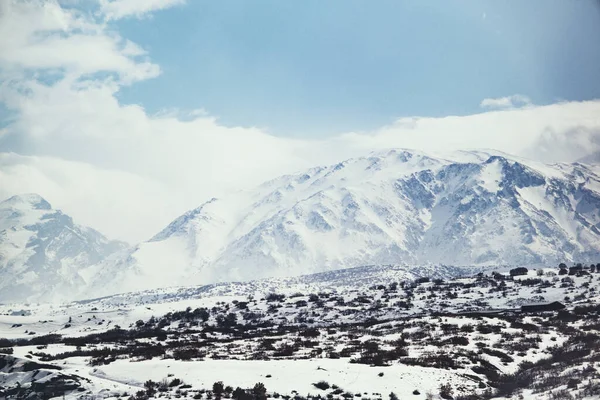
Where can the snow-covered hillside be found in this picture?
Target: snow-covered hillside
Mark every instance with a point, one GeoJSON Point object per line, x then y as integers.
{"type": "Point", "coordinates": [393, 207]}
{"type": "Point", "coordinates": [42, 250]}
{"type": "Point", "coordinates": [328, 336]}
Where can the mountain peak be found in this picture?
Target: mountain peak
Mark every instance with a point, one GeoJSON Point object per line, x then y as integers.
{"type": "Point", "coordinates": [26, 201]}
{"type": "Point", "coordinates": [42, 251]}
{"type": "Point", "coordinates": [472, 207]}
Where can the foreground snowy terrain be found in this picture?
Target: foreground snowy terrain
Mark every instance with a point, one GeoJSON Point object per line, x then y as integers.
{"type": "Point", "coordinates": [328, 335]}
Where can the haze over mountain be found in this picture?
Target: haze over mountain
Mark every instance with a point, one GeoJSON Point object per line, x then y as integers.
{"type": "Point", "coordinates": [42, 250]}
{"type": "Point", "coordinates": [392, 207]}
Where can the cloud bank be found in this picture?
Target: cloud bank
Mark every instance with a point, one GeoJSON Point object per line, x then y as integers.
{"type": "Point", "coordinates": [127, 173]}
{"type": "Point", "coordinates": [117, 9]}
{"type": "Point", "coordinates": [514, 101]}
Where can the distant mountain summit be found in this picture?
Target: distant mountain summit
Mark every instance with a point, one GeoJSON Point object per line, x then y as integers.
{"type": "Point", "coordinates": [26, 201]}
{"type": "Point", "coordinates": [392, 207]}
{"type": "Point", "coordinates": [42, 250]}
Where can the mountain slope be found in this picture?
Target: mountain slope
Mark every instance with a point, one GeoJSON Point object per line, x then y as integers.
{"type": "Point", "coordinates": [395, 207]}
{"type": "Point", "coordinates": [42, 250]}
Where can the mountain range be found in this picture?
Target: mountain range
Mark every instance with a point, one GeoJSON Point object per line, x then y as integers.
{"type": "Point", "coordinates": [394, 207]}
{"type": "Point", "coordinates": [398, 207]}
{"type": "Point", "coordinates": [42, 251]}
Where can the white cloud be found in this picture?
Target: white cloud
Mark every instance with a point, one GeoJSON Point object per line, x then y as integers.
{"type": "Point", "coordinates": [41, 35]}
{"type": "Point", "coordinates": [128, 173]}
{"type": "Point", "coordinates": [514, 101]}
{"type": "Point", "coordinates": [517, 131]}
{"type": "Point", "coordinates": [117, 9]}
{"type": "Point", "coordinates": [123, 205]}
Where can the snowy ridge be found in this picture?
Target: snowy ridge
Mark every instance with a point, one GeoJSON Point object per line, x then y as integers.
{"type": "Point", "coordinates": [42, 250]}
{"type": "Point", "coordinates": [344, 279]}
{"type": "Point", "coordinates": [392, 207]}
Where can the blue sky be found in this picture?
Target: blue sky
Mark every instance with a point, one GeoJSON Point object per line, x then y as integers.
{"type": "Point", "coordinates": [314, 68]}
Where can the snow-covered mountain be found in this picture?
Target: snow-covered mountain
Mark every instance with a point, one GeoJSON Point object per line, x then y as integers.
{"type": "Point", "coordinates": [393, 207]}
{"type": "Point", "coordinates": [42, 250]}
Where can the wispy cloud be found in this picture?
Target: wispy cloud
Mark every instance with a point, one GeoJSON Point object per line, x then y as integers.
{"type": "Point", "coordinates": [514, 101]}
{"type": "Point", "coordinates": [42, 36]}
{"type": "Point", "coordinates": [117, 9]}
